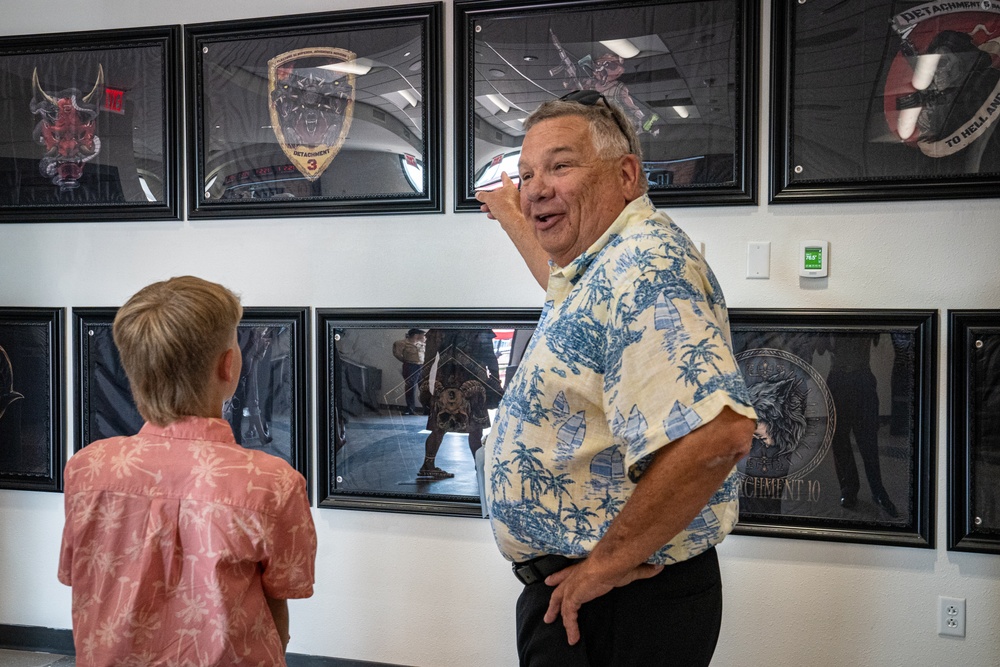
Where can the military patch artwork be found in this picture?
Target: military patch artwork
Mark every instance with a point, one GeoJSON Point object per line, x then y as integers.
{"type": "Point", "coordinates": [942, 92]}
{"type": "Point", "coordinates": [331, 113]}
{"type": "Point", "coordinates": [843, 440]}
{"type": "Point", "coordinates": [909, 110]}
{"type": "Point", "coordinates": [266, 410]}
{"type": "Point", "coordinates": [311, 103]}
{"type": "Point", "coordinates": [692, 121]}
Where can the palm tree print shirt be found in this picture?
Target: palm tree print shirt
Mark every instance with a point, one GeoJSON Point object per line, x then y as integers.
{"type": "Point", "coordinates": [632, 351]}
{"type": "Point", "coordinates": [172, 539]}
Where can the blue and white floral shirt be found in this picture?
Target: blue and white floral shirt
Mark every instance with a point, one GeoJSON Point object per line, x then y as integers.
{"type": "Point", "coordinates": [632, 351]}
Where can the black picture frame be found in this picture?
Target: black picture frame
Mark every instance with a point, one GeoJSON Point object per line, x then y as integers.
{"type": "Point", "coordinates": [275, 133]}
{"type": "Point", "coordinates": [883, 100]}
{"type": "Point", "coordinates": [32, 432]}
{"type": "Point", "coordinates": [277, 338]}
{"type": "Point", "coordinates": [693, 81]}
{"type": "Point", "coordinates": [973, 410]}
{"type": "Point", "coordinates": [110, 155]}
{"type": "Point", "coordinates": [370, 451]}
{"type": "Point", "coordinates": [844, 447]}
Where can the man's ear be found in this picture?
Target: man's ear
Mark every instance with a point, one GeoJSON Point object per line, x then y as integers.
{"type": "Point", "coordinates": [630, 167]}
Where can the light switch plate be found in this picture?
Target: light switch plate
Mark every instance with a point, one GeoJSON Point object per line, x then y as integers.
{"type": "Point", "coordinates": [759, 259]}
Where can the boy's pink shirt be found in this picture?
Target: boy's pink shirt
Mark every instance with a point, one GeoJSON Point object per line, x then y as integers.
{"type": "Point", "coordinates": [172, 538]}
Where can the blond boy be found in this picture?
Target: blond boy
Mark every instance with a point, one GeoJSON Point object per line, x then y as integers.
{"type": "Point", "coordinates": [181, 546]}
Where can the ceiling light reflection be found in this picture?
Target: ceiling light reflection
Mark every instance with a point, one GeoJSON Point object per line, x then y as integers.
{"type": "Point", "coordinates": [621, 47]}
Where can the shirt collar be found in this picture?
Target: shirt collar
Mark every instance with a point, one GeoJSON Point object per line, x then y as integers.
{"type": "Point", "coordinates": [193, 428]}
{"type": "Point", "coordinates": [642, 206]}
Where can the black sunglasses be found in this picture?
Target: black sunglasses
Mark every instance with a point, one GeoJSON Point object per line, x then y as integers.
{"type": "Point", "coordinates": [590, 98]}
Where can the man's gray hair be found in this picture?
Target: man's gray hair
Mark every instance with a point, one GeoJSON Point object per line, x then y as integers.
{"type": "Point", "coordinates": [611, 130]}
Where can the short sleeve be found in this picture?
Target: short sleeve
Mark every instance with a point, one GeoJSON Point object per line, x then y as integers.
{"type": "Point", "coordinates": [674, 365]}
{"type": "Point", "coordinates": [290, 567]}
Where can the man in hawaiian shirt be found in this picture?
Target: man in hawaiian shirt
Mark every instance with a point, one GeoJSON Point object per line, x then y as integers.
{"type": "Point", "coordinates": [611, 464]}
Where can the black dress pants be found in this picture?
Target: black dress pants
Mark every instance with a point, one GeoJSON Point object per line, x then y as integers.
{"type": "Point", "coordinates": [670, 619]}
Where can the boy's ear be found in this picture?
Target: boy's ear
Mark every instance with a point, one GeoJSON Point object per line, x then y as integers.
{"type": "Point", "coordinates": [224, 367]}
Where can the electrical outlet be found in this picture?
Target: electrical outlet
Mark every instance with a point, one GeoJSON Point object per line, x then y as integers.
{"type": "Point", "coordinates": [951, 616]}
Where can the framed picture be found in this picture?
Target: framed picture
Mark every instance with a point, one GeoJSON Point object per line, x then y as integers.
{"type": "Point", "coordinates": [844, 443]}
{"type": "Point", "coordinates": [269, 410]}
{"type": "Point", "coordinates": [684, 72]}
{"type": "Point", "coordinates": [104, 404]}
{"type": "Point", "coordinates": [406, 398]}
{"type": "Point", "coordinates": [973, 435]}
{"type": "Point", "coordinates": [320, 114]}
{"type": "Point", "coordinates": [31, 399]}
{"type": "Point", "coordinates": [91, 126]}
{"type": "Point", "coordinates": [884, 100]}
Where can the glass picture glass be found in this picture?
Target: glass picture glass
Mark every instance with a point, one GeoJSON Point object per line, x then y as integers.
{"type": "Point", "coordinates": [884, 99]}
{"type": "Point", "coordinates": [409, 398]}
{"type": "Point", "coordinates": [974, 431]}
{"type": "Point", "coordinates": [267, 411]}
{"type": "Point", "coordinates": [316, 115]}
{"type": "Point", "coordinates": [90, 125]}
{"type": "Point", "coordinates": [843, 439]}
{"type": "Point", "coordinates": [684, 73]}
{"type": "Point", "coordinates": [31, 399]}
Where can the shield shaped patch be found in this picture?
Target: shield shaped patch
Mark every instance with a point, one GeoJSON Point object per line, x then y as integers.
{"type": "Point", "coordinates": [311, 101]}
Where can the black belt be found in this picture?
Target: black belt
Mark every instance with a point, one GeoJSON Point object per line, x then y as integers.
{"type": "Point", "coordinates": [536, 569]}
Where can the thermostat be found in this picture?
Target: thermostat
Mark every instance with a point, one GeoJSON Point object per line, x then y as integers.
{"type": "Point", "coordinates": [814, 259]}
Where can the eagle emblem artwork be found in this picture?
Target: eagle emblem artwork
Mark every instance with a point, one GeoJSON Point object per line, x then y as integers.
{"type": "Point", "coordinates": [67, 129]}
{"type": "Point", "coordinates": [311, 102]}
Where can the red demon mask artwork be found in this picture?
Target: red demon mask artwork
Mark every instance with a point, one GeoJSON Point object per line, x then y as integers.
{"type": "Point", "coordinates": [67, 129]}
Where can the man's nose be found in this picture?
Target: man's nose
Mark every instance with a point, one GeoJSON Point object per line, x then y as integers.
{"type": "Point", "coordinates": [536, 188]}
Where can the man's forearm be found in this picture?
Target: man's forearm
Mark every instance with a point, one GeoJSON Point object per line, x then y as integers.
{"type": "Point", "coordinates": [675, 487]}
{"type": "Point", "coordinates": [677, 484]}
{"type": "Point", "coordinates": [523, 238]}
{"type": "Point", "coordinates": [503, 205]}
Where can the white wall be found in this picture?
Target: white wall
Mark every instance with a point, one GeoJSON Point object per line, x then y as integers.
{"type": "Point", "coordinates": [433, 590]}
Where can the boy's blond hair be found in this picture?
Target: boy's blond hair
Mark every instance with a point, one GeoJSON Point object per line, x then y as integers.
{"type": "Point", "coordinates": [169, 335]}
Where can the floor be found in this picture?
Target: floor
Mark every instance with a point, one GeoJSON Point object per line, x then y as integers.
{"type": "Point", "coordinates": [384, 449]}
{"type": "Point", "coordinates": [10, 658]}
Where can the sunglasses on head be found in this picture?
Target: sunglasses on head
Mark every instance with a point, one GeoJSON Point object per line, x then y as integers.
{"type": "Point", "coordinates": [590, 98]}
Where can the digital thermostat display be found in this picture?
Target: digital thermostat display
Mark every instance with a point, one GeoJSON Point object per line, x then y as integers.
{"type": "Point", "coordinates": [813, 259]}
